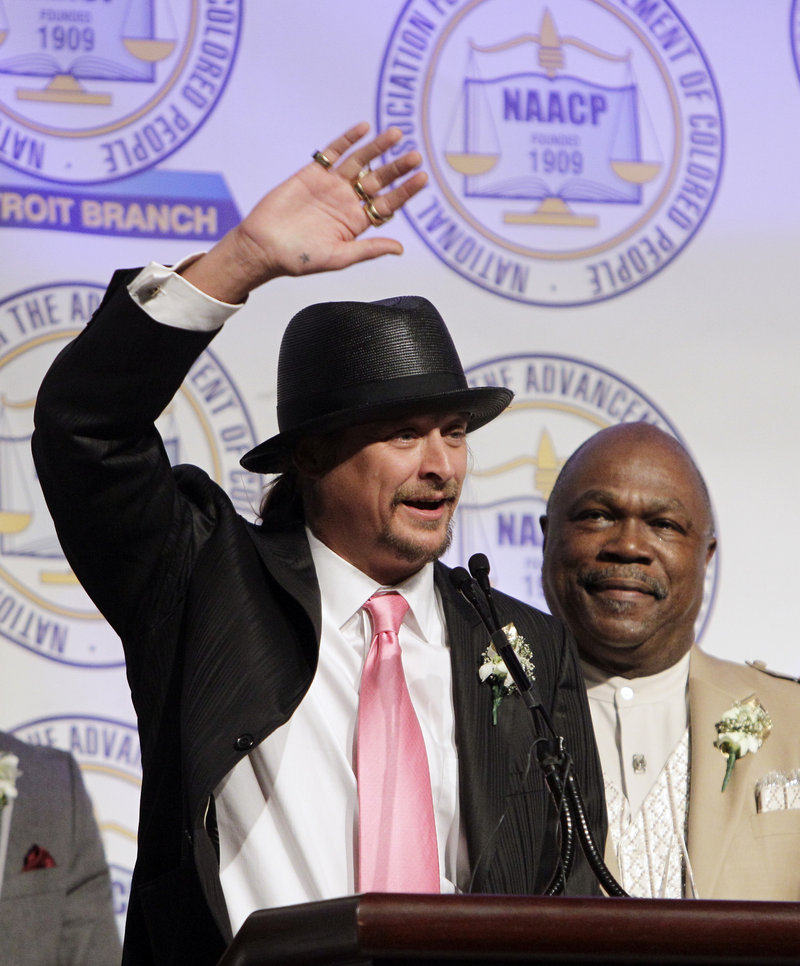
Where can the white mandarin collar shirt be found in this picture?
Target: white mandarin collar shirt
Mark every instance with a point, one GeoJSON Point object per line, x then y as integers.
{"type": "Point", "coordinates": [638, 722]}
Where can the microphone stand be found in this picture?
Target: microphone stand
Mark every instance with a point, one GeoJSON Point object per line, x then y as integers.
{"type": "Point", "coordinates": [551, 754]}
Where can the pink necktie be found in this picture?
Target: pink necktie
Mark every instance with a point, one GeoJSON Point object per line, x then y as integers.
{"type": "Point", "coordinates": [397, 834]}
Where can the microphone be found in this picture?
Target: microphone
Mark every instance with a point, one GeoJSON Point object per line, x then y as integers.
{"type": "Point", "coordinates": [553, 758]}
{"type": "Point", "coordinates": [479, 568]}
{"type": "Point", "coordinates": [466, 585]}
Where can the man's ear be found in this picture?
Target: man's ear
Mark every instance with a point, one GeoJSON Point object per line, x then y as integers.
{"type": "Point", "coordinates": [711, 549]}
{"type": "Point", "coordinates": [308, 456]}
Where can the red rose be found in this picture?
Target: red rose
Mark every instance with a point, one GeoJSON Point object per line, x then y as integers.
{"type": "Point", "coordinates": [37, 858]}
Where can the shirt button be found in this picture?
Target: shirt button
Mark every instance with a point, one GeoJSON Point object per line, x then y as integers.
{"type": "Point", "coordinates": [626, 693]}
{"type": "Point", "coordinates": [244, 742]}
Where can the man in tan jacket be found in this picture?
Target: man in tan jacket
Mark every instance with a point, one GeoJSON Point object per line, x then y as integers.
{"type": "Point", "coordinates": [629, 534]}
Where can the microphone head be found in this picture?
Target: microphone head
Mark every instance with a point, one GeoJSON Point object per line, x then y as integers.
{"type": "Point", "coordinates": [460, 578]}
{"type": "Point", "coordinates": [479, 564]}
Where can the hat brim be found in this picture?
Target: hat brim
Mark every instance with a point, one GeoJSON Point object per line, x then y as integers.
{"type": "Point", "coordinates": [483, 404]}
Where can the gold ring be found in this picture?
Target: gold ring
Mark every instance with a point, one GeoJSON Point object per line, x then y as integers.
{"type": "Point", "coordinates": [362, 194]}
{"type": "Point", "coordinates": [359, 188]}
{"type": "Point", "coordinates": [374, 215]}
{"type": "Point", "coordinates": [320, 158]}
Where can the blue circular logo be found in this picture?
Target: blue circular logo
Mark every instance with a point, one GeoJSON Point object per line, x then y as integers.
{"type": "Point", "coordinates": [94, 91]}
{"type": "Point", "coordinates": [574, 149]}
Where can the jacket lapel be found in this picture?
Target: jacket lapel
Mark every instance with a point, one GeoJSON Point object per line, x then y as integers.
{"type": "Point", "coordinates": [276, 638]}
{"type": "Point", "coordinates": [488, 754]}
{"type": "Point", "coordinates": [481, 779]}
{"type": "Point", "coordinates": [287, 556]}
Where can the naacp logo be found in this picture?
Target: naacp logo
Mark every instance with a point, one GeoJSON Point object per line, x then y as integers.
{"type": "Point", "coordinates": [110, 760]}
{"type": "Point", "coordinates": [42, 606]}
{"type": "Point", "coordinates": [95, 90]}
{"type": "Point", "coordinates": [558, 403]}
{"type": "Point", "coordinates": [574, 148]}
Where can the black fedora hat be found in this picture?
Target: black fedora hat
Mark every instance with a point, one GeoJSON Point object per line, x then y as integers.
{"type": "Point", "coordinates": [345, 363]}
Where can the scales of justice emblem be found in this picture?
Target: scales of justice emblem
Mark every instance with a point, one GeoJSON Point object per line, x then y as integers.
{"type": "Point", "coordinates": [588, 145]}
{"type": "Point", "coordinates": [559, 140]}
{"type": "Point", "coordinates": [119, 40]}
{"type": "Point", "coordinates": [26, 530]}
{"type": "Point", "coordinates": [102, 89]}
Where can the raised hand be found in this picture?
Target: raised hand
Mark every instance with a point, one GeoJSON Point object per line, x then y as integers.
{"type": "Point", "coordinates": [314, 221]}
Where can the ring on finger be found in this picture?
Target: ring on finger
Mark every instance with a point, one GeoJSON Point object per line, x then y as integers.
{"type": "Point", "coordinates": [362, 194]}
{"type": "Point", "coordinates": [374, 215]}
{"type": "Point", "coordinates": [320, 158]}
{"type": "Point", "coordinates": [359, 189]}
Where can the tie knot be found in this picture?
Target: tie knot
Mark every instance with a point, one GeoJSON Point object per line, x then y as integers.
{"type": "Point", "coordinates": [387, 612]}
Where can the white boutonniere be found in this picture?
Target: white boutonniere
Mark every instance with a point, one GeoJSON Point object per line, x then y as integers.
{"type": "Point", "coordinates": [494, 668]}
{"type": "Point", "coordinates": [743, 729]}
{"type": "Point", "coordinates": [9, 773]}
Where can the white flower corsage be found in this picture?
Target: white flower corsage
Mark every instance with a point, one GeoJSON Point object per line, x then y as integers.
{"type": "Point", "coordinates": [743, 729]}
{"type": "Point", "coordinates": [494, 668]}
{"type": "Point", "coordinates": [9, 773]}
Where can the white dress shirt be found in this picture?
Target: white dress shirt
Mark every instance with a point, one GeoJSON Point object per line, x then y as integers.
{"type": "Point", "coordinates": [168, 298]}
{"type": "Point", "coordinates": [288, 812]}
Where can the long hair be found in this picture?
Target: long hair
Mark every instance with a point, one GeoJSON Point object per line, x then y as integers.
{"type": "Point", "coordinates": [283, 498]}
{"type": "Point", "coordinates": [286, 495]}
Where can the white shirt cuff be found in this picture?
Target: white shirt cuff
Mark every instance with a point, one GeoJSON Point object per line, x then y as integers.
{"type": "Point", "coordinates": [168, 298]}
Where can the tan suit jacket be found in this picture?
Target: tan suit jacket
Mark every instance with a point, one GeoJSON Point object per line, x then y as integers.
{"type": "Point", "coordinates": [735, 852]}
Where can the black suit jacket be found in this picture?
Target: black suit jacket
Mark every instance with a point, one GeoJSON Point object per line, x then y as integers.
{"type": "Point", "coordinates": [220, 621]}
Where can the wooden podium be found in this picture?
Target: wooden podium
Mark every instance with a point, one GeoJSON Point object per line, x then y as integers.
{"type": "Point", "coordinates": [390, 930]}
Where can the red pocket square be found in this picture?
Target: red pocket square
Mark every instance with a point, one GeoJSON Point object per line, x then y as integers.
{"type": "Point", "coordinates": [37, 858]}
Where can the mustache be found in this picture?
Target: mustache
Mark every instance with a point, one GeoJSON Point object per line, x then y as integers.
{"type": "Point", "coordinates": [593, 579]}
{"type": "Point", "coordinates": [427, 492]}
